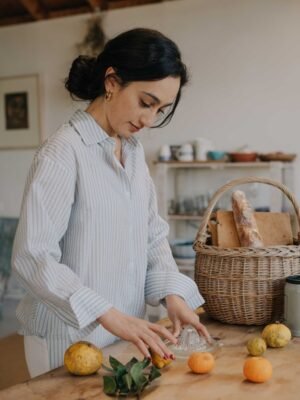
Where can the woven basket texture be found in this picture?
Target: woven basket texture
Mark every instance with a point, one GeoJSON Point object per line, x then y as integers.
{"type": "Point", "coordinates": [244, 285]}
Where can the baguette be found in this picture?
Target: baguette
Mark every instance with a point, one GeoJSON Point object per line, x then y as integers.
{"type": "Point", "coordinates": [245, 222]}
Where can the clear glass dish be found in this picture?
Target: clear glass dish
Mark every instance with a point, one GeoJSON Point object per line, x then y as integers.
{"type": "Point", "coordinates": [190, 341]}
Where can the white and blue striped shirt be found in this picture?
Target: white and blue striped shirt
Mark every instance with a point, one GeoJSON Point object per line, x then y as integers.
{"type": "Point", "coordinates": [90, 237]}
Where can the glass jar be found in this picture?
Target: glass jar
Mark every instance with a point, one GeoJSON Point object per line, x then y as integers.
{"type": "Point", "coordinates": [292, 304]}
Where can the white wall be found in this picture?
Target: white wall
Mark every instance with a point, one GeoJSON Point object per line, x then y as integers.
{"type": "Point", "coordinates": [244, 58]}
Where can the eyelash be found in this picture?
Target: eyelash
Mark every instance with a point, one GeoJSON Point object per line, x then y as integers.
{"type": "Point", "coordinates": [145, 105]}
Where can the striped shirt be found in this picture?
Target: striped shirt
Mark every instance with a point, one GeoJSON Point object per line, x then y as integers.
{"type": "Point", "coordinates": [90, 238]}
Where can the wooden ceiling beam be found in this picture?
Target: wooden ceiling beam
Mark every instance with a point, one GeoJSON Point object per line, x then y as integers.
{"type": "Point", "coordinates": [130, 3]}
{"type": "Point", "coordinates": [35, 9]}
{"type": "Point", "coordinates": [15, 20]}
{"type": "Point", "coordinates": [69, 11]}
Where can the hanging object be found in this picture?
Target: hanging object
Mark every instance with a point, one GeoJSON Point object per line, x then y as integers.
{"type": "Point", "coordinates": [94, 39]}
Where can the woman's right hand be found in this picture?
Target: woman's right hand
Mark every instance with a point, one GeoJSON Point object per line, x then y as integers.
{"type": "Point", "coordinates": [141, 333]}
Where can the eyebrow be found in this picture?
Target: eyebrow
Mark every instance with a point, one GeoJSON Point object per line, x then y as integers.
{"type": "Point", "coordinates": [156, 99]}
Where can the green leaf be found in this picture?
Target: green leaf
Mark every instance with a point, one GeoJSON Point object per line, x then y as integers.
{"type": "Point", "coordinates": [110, 385]}
{"type": "Point", "coordinates": [137, 375]}
{"type": "Point", "coordinates": [154, 373]}
{"type": "Point", "coordinates": [127, 380]}
{"type": "Point", "coordinates": [115, 363]}
{"type": "Point", "coordinates": [121, 371]}
{"type": "Point", "coordinates": [131, 363]}
{"type": "Point", "coordinates": [146, 362]}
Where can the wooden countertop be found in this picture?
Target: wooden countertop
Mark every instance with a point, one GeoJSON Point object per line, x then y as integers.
{"type": "Point", "coordinates": [225, 382]}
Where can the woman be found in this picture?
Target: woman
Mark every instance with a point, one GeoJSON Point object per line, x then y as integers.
{"type": "Point", "coordinates": [90, 248]}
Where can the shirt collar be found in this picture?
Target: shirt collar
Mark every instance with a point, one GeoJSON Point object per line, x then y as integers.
{"type": "Point", "coordinates": [90, 131]}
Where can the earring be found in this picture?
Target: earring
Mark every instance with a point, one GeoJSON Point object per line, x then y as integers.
{"type": "Point", "coordinates": [108, 96]}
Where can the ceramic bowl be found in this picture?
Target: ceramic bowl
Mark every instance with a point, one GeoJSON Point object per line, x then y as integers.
{"type": "Point", "coordinates": [243, 157]}
{"type": "Point", "coordinates": [182, 248]}
{"type": "Point", "coordinates": [216, 155]}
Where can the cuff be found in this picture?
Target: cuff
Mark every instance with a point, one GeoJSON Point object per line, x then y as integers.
{"type": "Point", "coordinates": [87, 306]}
{"type": "Point", "coordinates": [160, 284]}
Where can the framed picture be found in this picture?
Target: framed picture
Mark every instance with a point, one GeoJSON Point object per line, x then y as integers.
{"type": "Point", "coordinates": [19, 112]}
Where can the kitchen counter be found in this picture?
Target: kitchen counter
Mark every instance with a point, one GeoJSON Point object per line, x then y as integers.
{"type": "Point", "coordinates": [225, 382]}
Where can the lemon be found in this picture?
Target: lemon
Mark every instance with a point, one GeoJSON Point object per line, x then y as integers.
{"type": "Point", "coordinates": [158, 361]}
{"type": "Point", "coordinates": [276, 335]}
{"type": "Point", "coordinates": [256, 346]}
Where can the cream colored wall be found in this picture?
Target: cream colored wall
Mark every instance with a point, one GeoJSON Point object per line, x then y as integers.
{"type": "Point", "coordinates": [244, 58]}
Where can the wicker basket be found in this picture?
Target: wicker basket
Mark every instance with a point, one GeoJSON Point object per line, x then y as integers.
{"type": "Point", "coordinates": [244, 285]}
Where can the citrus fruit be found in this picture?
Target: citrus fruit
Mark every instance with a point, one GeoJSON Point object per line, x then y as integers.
{"type": "Point", "coordinates": [256, 346]}
{"type": "Point", "coordinates": [158, 361]}
{"type": "Point", "coordinates": [257, 369]}
{"type": "Point", "coordinates": [276, 335]}
{"type": "Point", "coordinates": [201, 362]}
{"type": "Point", "coordinates": [83, 358]}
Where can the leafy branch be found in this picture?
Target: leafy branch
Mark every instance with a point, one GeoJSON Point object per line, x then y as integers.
{"type": "Point", "coordinates": [128, 379]}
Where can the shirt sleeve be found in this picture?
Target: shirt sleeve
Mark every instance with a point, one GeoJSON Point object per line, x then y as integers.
{"type": "Point", "coordinates": [163, 276]}
{"type": "Point", "coordinates": [46, 208]}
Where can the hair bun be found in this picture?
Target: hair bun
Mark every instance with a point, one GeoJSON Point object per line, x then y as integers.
{"type": "Point", "coordinates": [79, 81]}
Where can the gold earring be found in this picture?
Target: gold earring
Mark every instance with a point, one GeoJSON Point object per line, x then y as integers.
{"type": "Point", "coordinates": [108, 96]}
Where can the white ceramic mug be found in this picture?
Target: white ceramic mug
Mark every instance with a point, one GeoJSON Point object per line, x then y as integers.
{"type": "Point", "coordinates": [185, 152]}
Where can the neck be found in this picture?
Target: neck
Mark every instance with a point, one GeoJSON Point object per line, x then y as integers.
{"type": "Point", "coordinates": [97, 110]}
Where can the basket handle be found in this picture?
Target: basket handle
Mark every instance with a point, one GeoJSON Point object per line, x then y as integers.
{"type": "Point", "coordinates": [201, 235]}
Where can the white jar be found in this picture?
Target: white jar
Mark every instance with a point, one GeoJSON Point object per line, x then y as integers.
{"type": "Point", "coordinates": [165, 153]}
{"type": "Point", "coordinates": [202, 146]}
{"type": "Point", "coordinates": [292, 304]}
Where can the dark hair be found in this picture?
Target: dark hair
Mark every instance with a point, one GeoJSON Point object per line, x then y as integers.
{"type": "Point", "coordinates": [136, 55]}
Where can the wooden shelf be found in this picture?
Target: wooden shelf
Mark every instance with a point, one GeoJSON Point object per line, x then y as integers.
{"type": "Point", "coordinates": [179, 217]}
{"type": "Point", "coordinates": [169, 181]}
{"type": "Point", "coordinates": [217, 164]}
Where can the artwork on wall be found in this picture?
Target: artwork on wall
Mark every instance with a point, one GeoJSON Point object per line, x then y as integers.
{"type": "Point", "coordinates": [19, 110]}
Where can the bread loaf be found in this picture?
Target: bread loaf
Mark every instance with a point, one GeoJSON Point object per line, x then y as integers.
{"type": "Point", "coordinates": [245, 221]}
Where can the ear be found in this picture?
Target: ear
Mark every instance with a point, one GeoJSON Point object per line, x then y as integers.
{"type": "Point", "coordinates": [111, 83]}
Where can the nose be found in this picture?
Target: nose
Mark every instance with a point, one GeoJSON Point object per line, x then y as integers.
{"type": "Point", "coordinates": [147, 119]}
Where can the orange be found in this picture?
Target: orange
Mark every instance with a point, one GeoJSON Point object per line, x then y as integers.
{"type": "Point", "coordinates": [257, 369]}
{"type": "Point", "coordinates": [201, 363]}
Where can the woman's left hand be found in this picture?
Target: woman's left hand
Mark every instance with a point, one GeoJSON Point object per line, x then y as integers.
{"type": "Point", "coordinates": [180, 314]}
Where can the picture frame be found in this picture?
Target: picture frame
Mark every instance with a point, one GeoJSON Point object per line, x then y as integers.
{"type": "Point", "coordinates": [19, 111]}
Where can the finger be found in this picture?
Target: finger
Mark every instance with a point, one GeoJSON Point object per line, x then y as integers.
{"type": "Point", "coordinates": [163, 332]}
{"type": "Point", "coordinates": [157, 339]}
{"type": "Point", "coordinates": [202, 329]}
{"type": "Point", "coordinates": [154, 346]}
{"type": "Point", "coordinates": [158, 346]}
{"type": "Point", "coordinates": [142, 348]}
{"type": "Point", "coordinates": [176, 328]}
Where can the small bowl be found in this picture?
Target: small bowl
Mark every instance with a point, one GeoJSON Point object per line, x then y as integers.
{"type": "Point", "coordinates": [182, 248]}
{"type": "Point", "coordinates": [216, 155]}
{"type": "Point", "coordinates": [243, 157]}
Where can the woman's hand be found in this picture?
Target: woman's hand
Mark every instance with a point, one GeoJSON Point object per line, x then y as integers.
{"type": "Point", "coordinates": [143, 334]}
{"type": "Point", "coordinates": [180, 314]}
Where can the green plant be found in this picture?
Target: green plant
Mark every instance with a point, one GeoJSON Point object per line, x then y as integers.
{"type": "Point", "coordinates": [128, 379]}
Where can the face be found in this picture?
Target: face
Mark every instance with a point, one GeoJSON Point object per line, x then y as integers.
{"type": "Point", "coordinates": [139, 104]}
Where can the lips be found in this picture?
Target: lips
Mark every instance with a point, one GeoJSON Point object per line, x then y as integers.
{"type": "Point", "coordinates": [135, 128]}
